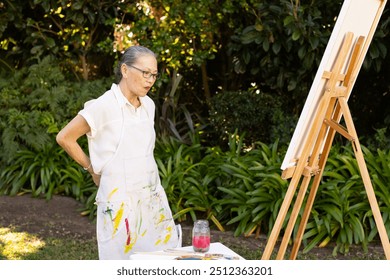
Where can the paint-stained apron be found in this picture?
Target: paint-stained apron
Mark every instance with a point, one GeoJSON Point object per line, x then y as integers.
{"type": "Point", "coordinates": [133, 213]}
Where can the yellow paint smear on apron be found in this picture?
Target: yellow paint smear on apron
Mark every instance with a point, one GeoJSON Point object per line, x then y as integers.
{"type": "Point", "coordinates": [112, 193]}
{"type": "Point", "coordinates": [118, 218]}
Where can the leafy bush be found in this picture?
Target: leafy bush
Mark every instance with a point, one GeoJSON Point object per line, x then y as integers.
{"type": "Point", "coordinates": [35, 103]}
{"type": "Point", "coordinates": [46, 172]}
{"type": "Point", "coordinates": [253, 112]}
{"type": "Point", "coordinates": [341, 212]}
{"type": "Point", "coordinates": [253, 189]}
{"type": "Point", "coordinates": [381, 138]}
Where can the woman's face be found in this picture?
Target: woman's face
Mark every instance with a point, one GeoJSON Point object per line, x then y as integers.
{"type": "Point", "coordinates": [136, 77]}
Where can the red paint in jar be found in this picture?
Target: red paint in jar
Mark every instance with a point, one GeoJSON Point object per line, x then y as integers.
{"type": "Point", "coordinates": [201, 236]}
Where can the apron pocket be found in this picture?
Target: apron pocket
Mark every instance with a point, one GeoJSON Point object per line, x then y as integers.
{"type": "Point", "coordinates": [111, 219]}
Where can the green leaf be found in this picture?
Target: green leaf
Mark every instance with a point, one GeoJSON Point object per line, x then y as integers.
{"type": "Point", "coordinates": [296, 35]}
{"type": "Point", "coordinates": [249, 35]}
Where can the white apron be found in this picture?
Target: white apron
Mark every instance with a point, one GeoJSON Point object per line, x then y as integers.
{"type": "Point", "coordinates": [132, 208]}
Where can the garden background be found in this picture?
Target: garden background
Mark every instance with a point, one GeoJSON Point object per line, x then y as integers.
{"type": "Point", "coordinates": [235, 75]}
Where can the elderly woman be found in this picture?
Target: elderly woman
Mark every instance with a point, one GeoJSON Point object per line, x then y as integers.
{"type": "Point", "coordinates": [132, 208]}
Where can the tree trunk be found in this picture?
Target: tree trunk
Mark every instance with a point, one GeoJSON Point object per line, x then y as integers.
{"type": "Point", "coordinates": [84, 64]}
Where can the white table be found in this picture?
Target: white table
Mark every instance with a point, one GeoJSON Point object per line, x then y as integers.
{"type": "Point", "coordinates": [215, 248]}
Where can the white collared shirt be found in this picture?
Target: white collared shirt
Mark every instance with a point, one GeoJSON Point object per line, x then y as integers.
{"type": "Point", "coordinates": [104, 116]}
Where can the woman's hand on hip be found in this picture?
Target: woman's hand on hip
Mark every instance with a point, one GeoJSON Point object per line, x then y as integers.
{"type": "Point", "coordinates": [96, 178]}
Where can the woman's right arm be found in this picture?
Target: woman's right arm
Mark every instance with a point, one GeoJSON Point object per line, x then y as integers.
{"type": "Point", "coordinates": [67, 139]}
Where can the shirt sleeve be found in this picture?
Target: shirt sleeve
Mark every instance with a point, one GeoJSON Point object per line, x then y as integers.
{"type": "Point", "coordinates": [88, 113]}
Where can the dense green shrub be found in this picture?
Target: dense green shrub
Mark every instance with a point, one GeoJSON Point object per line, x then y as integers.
{"type": "Point", "coordinates": [35, 103]}
{"type": "Point", "coordinates": [257, 114]}
{"type": "Point", "coordinates": [341, 212]}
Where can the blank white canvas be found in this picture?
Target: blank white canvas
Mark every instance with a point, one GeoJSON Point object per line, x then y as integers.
{"type": "Point", "coordinates": [358, 17]}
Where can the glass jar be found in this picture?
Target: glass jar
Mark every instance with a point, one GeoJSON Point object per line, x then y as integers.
{"type": "Point", "coordinates": [201, 236]}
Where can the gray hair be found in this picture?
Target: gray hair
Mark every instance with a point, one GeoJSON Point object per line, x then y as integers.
{"type": "Point", "coordinates": [130, 56]}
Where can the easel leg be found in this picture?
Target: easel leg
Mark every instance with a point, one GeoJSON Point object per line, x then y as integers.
{"type": "Point", "coordinates": [305, 217]}
{"type": "Point", "coordinates": [279, 220]}
{"type": "Point", "coordinates": [293, 217]}
{"type": "Point", "coordinates": [366, 178]}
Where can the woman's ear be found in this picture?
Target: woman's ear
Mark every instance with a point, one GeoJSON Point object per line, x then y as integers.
{"type": "Point", "coordinates": [124, 70]}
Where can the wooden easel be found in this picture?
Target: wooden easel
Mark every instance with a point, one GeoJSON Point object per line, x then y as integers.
{"type": "Point", "coordinates": [310, 166]}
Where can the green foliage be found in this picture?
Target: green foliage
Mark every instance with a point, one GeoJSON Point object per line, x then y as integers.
{"type": "Point", "coordinates": [45, 172]}
{"type": "Point", "coordinates": [254, 189]}
{"type": "Point", "coordinates": [278, 45]}
{"type": "Point", "coordinates": [26, 117]}
{"type": "Point", "coordinates": [35, 103]}
{"type": "Point", "coordinates": [77, 32]}
{"type": "Point", "coordinates": [190, 43]}
{"type": "Point", "coordinates": [342, 212]}
{"type": "Point", "coordinates": [254, 112]}
{"type": "Point", "coordinates": [381, 138]}
{"type": "Point", "coordinates": [379, 167]}
{"type": "Point", "coordinates": [263, 46]}
{"type": "Point", "coordinates": [172, 116]}
{"type": "Point", "coordinates": [215, 46]}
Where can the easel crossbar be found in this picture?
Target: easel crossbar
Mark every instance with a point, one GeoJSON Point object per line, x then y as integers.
{"type": "Point", "coordinates": [339, 128]}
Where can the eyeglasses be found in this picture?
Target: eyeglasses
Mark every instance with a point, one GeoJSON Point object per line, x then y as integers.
{"type": "Point", "coordinates": [146, 74]}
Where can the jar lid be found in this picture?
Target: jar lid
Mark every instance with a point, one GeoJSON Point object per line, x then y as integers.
{"type": "Point", "coordinates": [202, 222]}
